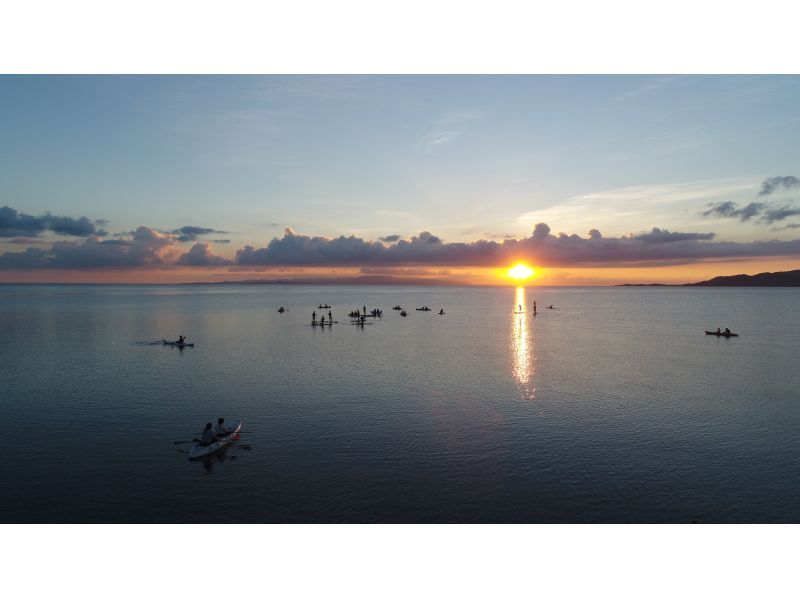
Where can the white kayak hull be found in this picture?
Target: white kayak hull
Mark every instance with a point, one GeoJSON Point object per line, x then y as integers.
{"type": "Point", "coordinates": [198, 451]}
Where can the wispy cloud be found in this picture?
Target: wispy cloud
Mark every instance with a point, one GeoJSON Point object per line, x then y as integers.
{"type": "Point", "coordinates": [446, 129]}
{"type": "Point", "coordinates": [652, 85]}
{"type": "Point", "coordinates": [636, 207]}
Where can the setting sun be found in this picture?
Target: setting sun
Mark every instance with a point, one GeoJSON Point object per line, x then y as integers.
{"type": "Point", "coordinates": [520, 272]}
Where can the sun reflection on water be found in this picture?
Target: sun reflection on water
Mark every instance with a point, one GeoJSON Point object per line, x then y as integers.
{"type": "Point", "coordinates": [522, 346]}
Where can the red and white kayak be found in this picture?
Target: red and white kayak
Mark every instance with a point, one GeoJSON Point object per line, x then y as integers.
{"type": "Point", "coordinates": [198, 451]}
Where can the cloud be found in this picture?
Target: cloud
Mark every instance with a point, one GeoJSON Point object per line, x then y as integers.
{"type": "Point", "coordinates": [190, 233]}
{"type": "Point", "coordinates": [635, 208]}
{"type": "Point", "coordinates": [766, 212]}
{"type": "Point", "coordinates": [728, 209]}
{"type": "Point", "coordinates": [776, 214]}
{"type": "Point", "coordinates": [446, 129]}
{"type": "Point", "coordinates": [17, 224]}
{"type": "Point", "coordinates": [25, 241]}
{"type": "Point", "coordinates": [658, 235]}
{"type": "Point", "coordinates": [390, 238]}
{"type": "Point", "coordinates": [656, 247]}
{"type": "Point", "coordinates": [200, 255]}
{"type": "Point", "coordinates": [775, 183]}
{"type": "Point", "coordinates": [143, 247]}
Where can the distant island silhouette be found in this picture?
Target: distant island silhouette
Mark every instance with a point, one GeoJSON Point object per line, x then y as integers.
{"type": "Point", "coordinates": [348, 280]}
{"type": "Point", "coordinates": [790, 278]}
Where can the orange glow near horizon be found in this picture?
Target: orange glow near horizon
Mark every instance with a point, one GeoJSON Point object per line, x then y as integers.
{"type": "Point", "coordinates": [550, 276]}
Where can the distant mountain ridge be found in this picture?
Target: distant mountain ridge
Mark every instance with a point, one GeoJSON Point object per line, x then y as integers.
{"type": "Point", "coordinates": [790, 278]}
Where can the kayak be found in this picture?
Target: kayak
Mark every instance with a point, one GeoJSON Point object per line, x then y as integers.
{"type": "Point", "coordinates": [199, 451]}
{"type": "Point", "coordinates": [177, 344]}
{"type": "Point", "coordinates": [709, 332]}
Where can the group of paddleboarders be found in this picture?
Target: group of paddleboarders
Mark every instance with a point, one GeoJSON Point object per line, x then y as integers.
{"type": "Point", "coordinates": [215, 433]}
{"type": "Point", "coordinates": [520, 310]}
{"type": "Point", "coordinates": [322, 320]}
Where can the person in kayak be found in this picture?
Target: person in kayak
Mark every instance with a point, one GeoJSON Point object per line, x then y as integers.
{"type": "Point", "coordinates": [718, 330]}
{"type": "Point", "coordinates": [181, 339]}
{"type": "Point", "coordinates": [727, 331]}
{"type": "Point", "coordinates": [208, 436]}
{"type": "Point", "coordinates": [221, 430]}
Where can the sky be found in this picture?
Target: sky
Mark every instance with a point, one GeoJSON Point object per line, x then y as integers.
{"type": "Point", "coordinates": [588, 179]}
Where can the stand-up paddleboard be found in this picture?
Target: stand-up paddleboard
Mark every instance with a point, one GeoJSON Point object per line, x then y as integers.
{"type": "Point", "coordinates": [177, 344]}
{"type": "Point", "coordinates": [199, 451]}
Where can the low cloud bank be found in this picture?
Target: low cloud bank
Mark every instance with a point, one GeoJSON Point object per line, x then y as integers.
{"type": "Point", "coordinates": [656, 247]}
{"type": "Point", "coordinates": [153, 248]}
{"type": "Point", "coordinates": [145, 247]}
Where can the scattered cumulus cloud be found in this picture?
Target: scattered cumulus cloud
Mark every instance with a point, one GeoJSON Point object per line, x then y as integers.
{"type": "Point", "coordinates": [777, 183]}
{"type": "Point", "coordinates": [142, 248]}
{"type": "Point", "coordinates": [18, 224]}
{"type": "Point", "coordinates": [767, 213]}
{"type": "Point", "coordinates": [190, 233]}
{"type": "Point", "coordinates": [200, 255]}
{"type": "Point", "coordinates": [729, 209]}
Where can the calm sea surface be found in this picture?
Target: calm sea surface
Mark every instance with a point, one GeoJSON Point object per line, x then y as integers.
{"type": "Point", "coordinates": [613, 407]}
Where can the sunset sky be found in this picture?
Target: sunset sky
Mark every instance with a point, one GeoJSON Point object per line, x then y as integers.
{"type": "Point", "coordinates": [589, 180]}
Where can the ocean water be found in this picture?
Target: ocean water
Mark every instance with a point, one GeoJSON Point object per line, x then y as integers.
{"type": "Point", "coordinates": [612, 407]}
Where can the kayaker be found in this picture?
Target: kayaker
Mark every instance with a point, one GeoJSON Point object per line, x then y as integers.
{"type": "Point", "coordinates": [221, 430]}
{"type": "Point", "coordinates": [728, 331]}
{"type": "Point", "coordinates": [181, 339]}
{"type": "Point", "coordinates": [208, 436]}
{"type": "Point", "coordinates": [718, 330]}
